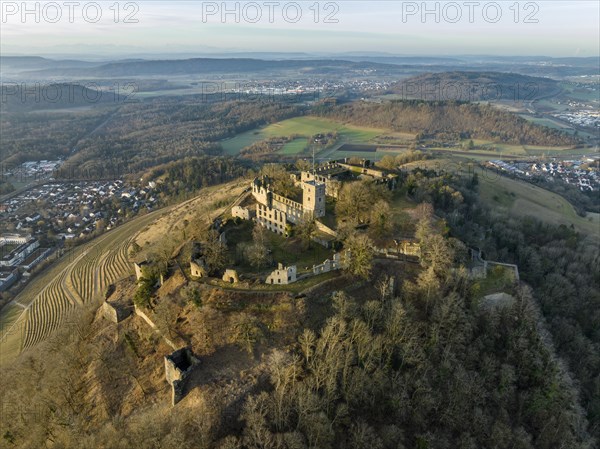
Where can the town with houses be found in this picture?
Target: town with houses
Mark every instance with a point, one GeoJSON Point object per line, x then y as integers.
{"type": "Point", "coordinates": [307, 89]}
{"type": "Point", "coordinates": [47, 217]}
{"type": "Point", "coordinates": [583, 173]}
{"type": "Point", "coordinates": [581, 117]}
{"type": "Point", "coordinates": [31, 170]}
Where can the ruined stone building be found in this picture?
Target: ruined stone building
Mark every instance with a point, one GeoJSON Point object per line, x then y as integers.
{"type": "Point", "coordinates": [335, 263]}
{"type": "Point", "coordinates": [141, 268]}
{"type": "Point", "coordinates": [328, 174]}
{"type": "Point", "coordinates": [117, 309]}
{"type": "Point", "coordinates": [198, 268]}
{"type": "Point", "coordinates": [178, 367]}
{"type": "Point", "coordinates": [282, 275]}
{"type": "Point", "coordinates": [274, 211]}
{"type": "Point", "coordinates": [197, 262]}
{"type": "Point", "coordinates": [242, 212]}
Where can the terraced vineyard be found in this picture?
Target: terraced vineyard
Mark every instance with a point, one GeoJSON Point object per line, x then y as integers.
{"type": "Point", "coordinates": [47, 312]}
{"type": "Point", "coordinates": [78, 278]}
{"type": "Point", "coordinates": [83, 276]}
{"type": "Point", "coordinates": [113, 266]}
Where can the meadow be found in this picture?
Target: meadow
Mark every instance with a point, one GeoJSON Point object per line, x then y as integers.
{"type": "Point", "coordinates": [548, 122]}
{"type": "Point", "coordinates": [296, 146]}
{"type": "Point", "coordinates": [307, 126]}
{"type": "Point", "coordinates": [523, 199]}
{"type": "Point", "coordinates": [516, 197]}
{"type": "Point", "coordinates": [303, 127]}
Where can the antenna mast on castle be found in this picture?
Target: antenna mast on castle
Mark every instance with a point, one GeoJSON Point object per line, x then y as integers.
{"type": "Point", "coordinates": [314, 170]}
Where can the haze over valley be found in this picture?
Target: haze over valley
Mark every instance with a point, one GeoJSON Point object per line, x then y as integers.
{"type": "Point", "coordinates": [341, 225]}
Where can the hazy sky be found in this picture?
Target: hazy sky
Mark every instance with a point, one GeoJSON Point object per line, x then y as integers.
{"type": "Point", "coordinates": [552, 28]}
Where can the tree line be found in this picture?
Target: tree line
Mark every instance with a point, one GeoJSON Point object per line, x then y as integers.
{"type": "Point", "coordinates": [447, 120]}
{"type": "Point", "coordinates": [561, 265]}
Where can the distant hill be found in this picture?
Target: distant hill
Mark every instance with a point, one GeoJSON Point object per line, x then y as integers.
{"type": "Point", "coordinates": [37, 63]}
{"type": "Point", "coordinates": [39, 96]}
{"type": "Point", "coordinates": [447, 121]}
{"type": "Point", "coordinates": [475, 86]}
{"type": "Point", "coordinates": [207, 65]}
{"type": "Point", "coordinates": [402, 60]}
{"type": "Point", "coordinates": [245, 62]}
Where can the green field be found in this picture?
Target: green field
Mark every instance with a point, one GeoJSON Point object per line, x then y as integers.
{"type": "Point", "coordinates": [296, 146]}
{"type": "Point", "coordinates": [505, 149]}
{"type": "Point", "coordinates": [524, 199]}
{"type": "Point", "coordinates": [551, 123]}
{"type": "Point", "coordinates": [547, 122]}
{"type": "Point", "coordinates": [582, 94]}
{"type": "Point", "coordinates": [487, 149]}
{"type": "Point", "coordinates": [550, 104]}
{"type": "Point", "coordinates": [303, 127]}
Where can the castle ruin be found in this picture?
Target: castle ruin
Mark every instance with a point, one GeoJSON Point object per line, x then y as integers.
{"type": "Point", "coordinates": [178, 367]}
{"type": "Point", "coordinates": [274, 211]}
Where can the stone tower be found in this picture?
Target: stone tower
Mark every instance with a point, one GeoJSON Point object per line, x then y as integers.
{"type": "Point", "coordinates": [313, 198]}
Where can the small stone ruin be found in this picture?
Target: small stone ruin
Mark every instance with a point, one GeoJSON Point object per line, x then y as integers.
{"type": "Point", "coordinates": [231, 276]}
{"type": "Point", "coordinates": [178, 366]}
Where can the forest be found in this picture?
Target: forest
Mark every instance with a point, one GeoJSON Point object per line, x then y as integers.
{"type": "Point", "coordinates": [154, 132]}
{"type": "Point", "coordinates": [475, 86]}
{"type": "Point", "coordinates": [561, 265]}
{"type": "Point", "coordinates": [36, 136]}
{"type": "Point", "coordinates": [115, 141]}
{"type": "Point", "coordinates": [178, 180]}
{"type": "Point", "coordinates": [448, 120]}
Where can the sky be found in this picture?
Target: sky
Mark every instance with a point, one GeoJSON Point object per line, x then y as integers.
{"type": "Point", "coordinates": [542, 28]}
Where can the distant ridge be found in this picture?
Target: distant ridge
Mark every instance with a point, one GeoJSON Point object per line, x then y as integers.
{"type": "Point", "coordinates": [207, 65]}
{"type": "Point", "coordinates": [299, 63]}
{"type": "Point", "coordinates": [54, 96]}
{"type": "Point", "coordinates": [475, 86]}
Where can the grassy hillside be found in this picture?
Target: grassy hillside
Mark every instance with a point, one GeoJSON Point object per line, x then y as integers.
{"type": "Point", "coordinates": [524, 199]}
{"type": "Point", "coordinates": [303, 126]}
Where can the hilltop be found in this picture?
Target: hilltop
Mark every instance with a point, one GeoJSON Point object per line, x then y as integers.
{"type": "Point", "coordinates": [208, 65]}
{"type": "Point", "coordinates": [359, 358]}
{"type": "Point", "coordinates": [447, 120]}
{"type": "Point", "coordinates": [476, 86]}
